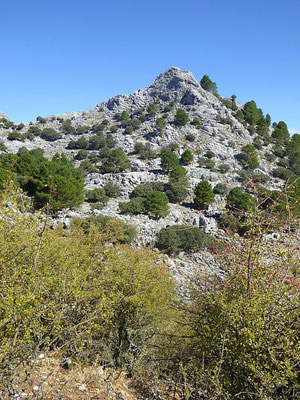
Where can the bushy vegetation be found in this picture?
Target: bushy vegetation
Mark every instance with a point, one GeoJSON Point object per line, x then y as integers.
{"type": "Point", "coordinates": [70, 294]}
{"type": "Point", "coordinates": [177, 238]}
{"type": "Point", "coordinates": [204, 195]}
{"type": "Point", "coordinates": [248, 157]}
{"type": "Point", "coordinates": [157, 204]}
{"type": "Point", "coordinates": [186, 157]}
{"type": "Point", "coordinates": [238, 200]}
{"type": "Point", "coordinates": [54, 182]}
{"type": "Point", "coordinates": [169, 160]}
{"type": "Point", "coordinates": [209, 85]}
{"type": "Point", "coordinates": [144, 151]}
{"type": "Point", "coordinates": [181, 117]}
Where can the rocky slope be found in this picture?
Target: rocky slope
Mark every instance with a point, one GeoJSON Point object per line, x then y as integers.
{"type": "Point", "coordinates": [219, 131]}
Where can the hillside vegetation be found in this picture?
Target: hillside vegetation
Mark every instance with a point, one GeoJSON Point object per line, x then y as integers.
{"type": "Point", "coordinates": [150, 250]}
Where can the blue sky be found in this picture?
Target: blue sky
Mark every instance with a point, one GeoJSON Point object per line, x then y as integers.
{"type": "Point", "coordinates": [59, 56]}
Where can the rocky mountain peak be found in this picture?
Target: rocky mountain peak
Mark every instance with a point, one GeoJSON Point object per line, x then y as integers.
{"type": "Point", "coordinates": [174, 79]}
{"type": "Point", "coordinates": [2, 115]}
{"type": "Point", "coordinates": [176, 85]}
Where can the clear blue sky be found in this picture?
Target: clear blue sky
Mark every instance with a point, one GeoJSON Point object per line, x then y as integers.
{"type": "Point", "coordinates": [59, 56]}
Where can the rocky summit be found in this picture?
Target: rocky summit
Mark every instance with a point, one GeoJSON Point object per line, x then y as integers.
{"type": "Point", "coordinates": [176, 113]}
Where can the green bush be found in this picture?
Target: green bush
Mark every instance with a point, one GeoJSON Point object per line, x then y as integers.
{"type": "Point", "coordinates": [35, 130]}
{"type": "Point", "coordinates": [181, 117]}
{"type": "Point", "coordinates": [186, 157]}
{"type": "Point", "coordinates": [209, 85]}
{"type": "Point", "coordinates": [143, 189]}
{"type": "Point", "coordinates": [224, 168]}
{"type": "Point", "coordinates": [282, 173]}
{"type": "Point", "coordinates": [112, 189]}
{"type": "Point", "coordinates": [71, 294]}
{"type": "Point", "coordinates": [280, 132]}
{"type": "Point", "coordinates": [50, 134]}
{"type": "Point", "coordinates": [177, 238]}
{"type": "Point", "coordinates": [176, 193]}
{"type": "Point", "coordinates": [15, 135]}
{"type": "Point", "coordinates": [157, 204]}
{"type": "Point", "coordinates": [190, 137]}
{"type": "Point", "coordinates": [237, 200]}
{"type": "Point", "coordinates": [220, 188]}
{"type": "Point", "coordinates": [133, 207]}
{"type": "Point", "coordinates": [54, 182]}
{"type": "Point", "coordinates": [204, 195]}
{"type": "Point", "coordinates": [206, 163]}
{"type": "Point", "coordinates": [209, 154]}
{"type": "Point", "coordinates": [81, 155]}
{"type": "Point", "coordinates": [41, 120]}
{"type": "Point", "coordinates": [169, 160]}
{"type": "Point", "coordinates": [144, 151]}
{"type": "Point", "coordinates": [67, 127]}
{"type": "Point", "coordinates": [96, 195]}
{"type": "Point", "coordinates": [248, 157]}
{"type": "Point", "coordinates": [197, 123]}
{"type": "Point", "coordinates": [116, 161]}
{"type": "Point", "coordinates": [160, 124]}
{"type": "Point", "coordinates": [152, 109]}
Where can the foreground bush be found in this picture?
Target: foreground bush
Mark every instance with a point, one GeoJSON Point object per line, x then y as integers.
{"type": "Point", "coordinates": [238, 336]}
{"type": "Point", "coordinates": [71, 293]}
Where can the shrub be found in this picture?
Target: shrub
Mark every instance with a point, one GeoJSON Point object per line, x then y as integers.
{"type": "Point", "coordinates": [157, 204]}
{"type": "Point", "coordinates": [143, 189]}
{"type": "Point", "coordinates": [181, 117]}
{"type": "Point", "coordinates": [177, 238]}
{"type": "Point", "coordinates": [229, 222]}
{"type": "Point", "coordinates": [78, 296]}
{"type": "Point", "coordinates": [50, 134]}
{"type": "Point", "coordinates": [224, 168]}
{"type": "Point", "coordinates": [169, 160]}
{"type": "Point", "coordinates": [35, 130]}
{"type": "Point", "coordinates": [160, 124]}
{"type": "Point", "coordinates": [206, 163]}
{"type": "Point", "coordinates": [209, 85]}
{"type": "Point", "coordinates": [2, 147]}
{"type": "Point", "coordinates": [209, 154]}
{"type": "Point", "coordinates": [279, 151]}
{"type": "Point", "coordinates": [15, 135]}
{"type": "Point", "coordinates": [243, 325]}
{"type": "Point", "coordinates": [116, 161]}
{"type": "Point", "coordinates": [81, 155]}
{"type": "Point", "coordinates": [41, 120]}
{"type": "Point", "coordinates": [81, 129]}
{"type": "Point", "coordinates": [220, 188]}
{"type": "Point", "coordinates": [190, 137]}
{"type": "Point", "coordinates": [54, 182]}
{"type": "Point", "coordinates": [270, 157]}
{"type": "Point", "coordinates": [152, 109]}
{"type": "Point", "coordinates": [237, 200]}
{"type": "Point", "coordinates": [133, 207]}
{"type": "Point", "coordinates": [197, 123]}
{"type": "Point", "coordinates": [186, 157]}
{"type": "Point", "coordinates": [112, 189]}
{"type": "Point", "coordinates": [204, 195]}
{"type": "Point", "coordinates": [248, 157]}
{"type": "Point", "coordinates": [280, 132]}
{"type": "Point", "coordinates": [67, 127]}
{"type": "Point", "coordinates": [96, 195]}
{"type": "Point", "coordinates": [144, 151]}
{"type": "Point", "coordinates": [176, 193]}
{"type": "Point", "coordinates": [282, 173]}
